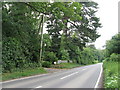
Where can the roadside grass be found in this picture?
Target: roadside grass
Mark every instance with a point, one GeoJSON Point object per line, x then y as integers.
{"type": "Point", "coordinates": [111, 74]}
{"type": "Point", "coordinates": [24, 73]}
{"type": "Point", "coordinates": [66, 65]}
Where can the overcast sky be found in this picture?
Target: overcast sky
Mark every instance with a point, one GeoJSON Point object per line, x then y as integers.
{"type": "Point", "coordinates": [108, 13]}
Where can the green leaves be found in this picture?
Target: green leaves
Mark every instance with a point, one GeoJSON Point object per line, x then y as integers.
{"type": "Point", "coordinates": [64, 54]}
{"type": "Point", "coordinates": [113, 45]}
{"type": "Point", "coordinates": [20, 41]}
{"type": "Point", "coordinates": [50, 56]}
{"type": "Point", "coordinates": [115, 57]}
{"type": "Point", "coordinates": [12, 54]}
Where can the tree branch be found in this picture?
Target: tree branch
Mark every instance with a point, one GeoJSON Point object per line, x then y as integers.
{"type": "Point", "coordinates": [73, 24]}
{"type": "Point", "coordinates": [33, 8]}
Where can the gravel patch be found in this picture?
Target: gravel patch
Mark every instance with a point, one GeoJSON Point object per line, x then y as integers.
{"type": "Point", "coordinates": [51, 70]}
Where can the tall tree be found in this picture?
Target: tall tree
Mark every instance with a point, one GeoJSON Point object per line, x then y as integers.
{"type": "Point", "coordinates": [20, 41]}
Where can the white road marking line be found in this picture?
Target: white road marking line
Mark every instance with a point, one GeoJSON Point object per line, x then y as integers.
{"type": "Point", "coordinates": [38, 87]}
{"type": "Point", "coordinates": [69, 75]}
{"type": "Point", "coordinates": [84, 69]}
{"type": "Point", "coordinates": [99, 77]}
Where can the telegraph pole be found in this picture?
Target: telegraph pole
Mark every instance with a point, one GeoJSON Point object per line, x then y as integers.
{"type": "Point", "coordinates": [41, 41]}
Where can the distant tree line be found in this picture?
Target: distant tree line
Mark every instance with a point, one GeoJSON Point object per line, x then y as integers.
{"type": "Point", "coordinates": [113, 48]}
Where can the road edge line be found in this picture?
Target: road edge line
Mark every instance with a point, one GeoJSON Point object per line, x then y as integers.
{"type": "Point", "coordinates": [96, 85]}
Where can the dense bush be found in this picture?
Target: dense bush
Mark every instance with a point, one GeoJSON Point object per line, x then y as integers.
{"type": "Point", "coordinates": [95, 61]}
{"type": "Point", "coordinates": [65, 55]}
{"type": "Point", "coordinates": [50, 56]}
{"type": "Point", "coordinates": [46, 64]}
{"type": "Point", "coordinates": [115, 57]}
{"type": "Point", "coordinates": [12, 55]}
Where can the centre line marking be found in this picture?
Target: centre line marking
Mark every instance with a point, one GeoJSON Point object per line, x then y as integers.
{"type": "Point", "coordinates": [69, 75]}
{"type": "Point", "coordinates": [84, 69]}
{"type": "Point", "coordinates": [39, 87]}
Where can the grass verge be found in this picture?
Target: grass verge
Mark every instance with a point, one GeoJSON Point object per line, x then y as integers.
{"type": "Point", "coordinates": [111, 74]}
{"type": "Point", "coordinates": [24, 73]}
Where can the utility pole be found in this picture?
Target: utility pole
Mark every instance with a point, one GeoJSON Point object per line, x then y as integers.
{"type": "Point", "coordinates": [41, 41]}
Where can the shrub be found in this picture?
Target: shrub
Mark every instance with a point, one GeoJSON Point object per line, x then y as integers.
{"type": "Point", "coordinates": [114, 57]}
{"type": "Point", "coordinates": [46, 64]}
{"type": "Point", "coordinates": [12, 55]}
{"type": "Point", "coordinates": [65, 55]}
{"type": "Point", "coordinates": [50, 56]}
{"type": "Point", "coordinates": [107, 59]}
{"type": "Point", "coordinates": [95, 61]}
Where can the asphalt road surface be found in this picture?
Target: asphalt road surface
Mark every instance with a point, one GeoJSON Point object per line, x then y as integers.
{"type": "Point", "coordinates": [81, 77]}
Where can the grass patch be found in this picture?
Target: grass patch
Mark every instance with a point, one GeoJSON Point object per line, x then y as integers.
{"type": "Point", "coordinates": [111, 74]}
{"type": "Point", "coordinates": [66, 65]}
{"type": "Point", "coordinates": [24, 73]}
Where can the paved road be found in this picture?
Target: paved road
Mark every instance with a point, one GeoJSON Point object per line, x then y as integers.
{"type": "Point", "coordinates": [81, 77]}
